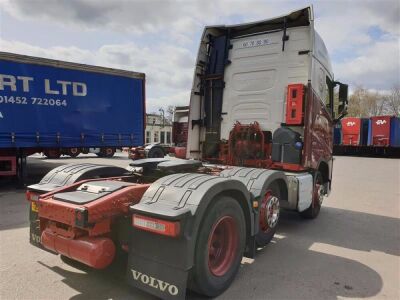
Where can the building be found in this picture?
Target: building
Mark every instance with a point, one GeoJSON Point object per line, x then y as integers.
{"type": "Point", "coordinates": [158, 129]}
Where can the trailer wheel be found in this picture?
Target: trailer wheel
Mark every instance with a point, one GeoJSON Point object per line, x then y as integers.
{"type": "Point", "coordinates": [52, 153]}
{"type": "Point", "coordinates": [73, 152]}
{"type": "Point", "coordinates": [318, 196]}
{"type": "Point", "coordinates": [156, 152]}
{"type": "Point", "coordinates": [219, 247]}
{"type": "Point", "coordinates": [268, 216]}
{"type": "Point", "coordinates": [106, 152]}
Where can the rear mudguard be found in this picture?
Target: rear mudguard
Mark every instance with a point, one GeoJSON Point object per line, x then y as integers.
{"type": "Point", "coordinates": [257, 181]}
{"type": "Point", "coordinates": [160, 264]}
{"type": "Point", "coordinates": [71, 173]}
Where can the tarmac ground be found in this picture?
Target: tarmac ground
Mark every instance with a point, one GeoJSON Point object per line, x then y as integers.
{"type": "Point", "coordinates": [352, 250]}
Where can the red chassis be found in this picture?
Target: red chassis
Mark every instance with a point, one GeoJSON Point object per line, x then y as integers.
{"type": "Point", "coordinates": [84, 232]}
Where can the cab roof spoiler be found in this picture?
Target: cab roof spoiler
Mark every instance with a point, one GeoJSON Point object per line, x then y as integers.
{"type": "Point", "coordinates": [300, 17]}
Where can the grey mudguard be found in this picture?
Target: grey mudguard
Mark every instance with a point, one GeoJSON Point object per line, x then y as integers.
{"type": "Point", "coordinates": [174, 195]}
{"type": "Point", "coordinates": [166, 261]}
{"type": "Point", "coordinates": [257, 181]}
{"type": "Point", "coordinates": [68, 174]}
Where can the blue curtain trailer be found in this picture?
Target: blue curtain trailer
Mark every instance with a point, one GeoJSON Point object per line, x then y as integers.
{"type": "Point", "coordinates": [58, 107]}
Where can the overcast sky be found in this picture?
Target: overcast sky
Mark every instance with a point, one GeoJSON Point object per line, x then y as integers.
{"type": "Point", "coordinates": [160, 38]}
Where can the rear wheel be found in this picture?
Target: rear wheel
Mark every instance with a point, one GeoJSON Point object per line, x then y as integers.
{"type": "Point", "coordinates": [268, 216]}
{"type": "Point", "coordinates": [156, 152]}
{"type": "Point", "coordinates": [219, 247]}
{"type": "Point", "coordinates": [318, 196]}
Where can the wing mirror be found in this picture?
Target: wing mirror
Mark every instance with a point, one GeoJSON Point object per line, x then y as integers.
{"type": "Point", "coordinates": [343, 100]}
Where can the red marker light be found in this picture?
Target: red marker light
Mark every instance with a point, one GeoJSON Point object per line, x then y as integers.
{"type": "Point", "coordinates": [156, 225]}
{"type": "Point", "coordinates": [30, 196]}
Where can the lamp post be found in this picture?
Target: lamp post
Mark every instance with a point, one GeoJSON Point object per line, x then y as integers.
{"type": "Point", "coordinates": [161, 110]}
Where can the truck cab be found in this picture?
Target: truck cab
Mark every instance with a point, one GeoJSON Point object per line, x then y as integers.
{"type": "Point", "coordinates": [275, 74]}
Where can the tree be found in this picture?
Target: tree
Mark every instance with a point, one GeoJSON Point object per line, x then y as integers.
{"type": "Point", "coordinates": [365, 103]}
{"type": "Point", "coordinates": [169, 113]}
{"type": "Point", "coordinates": [392, 101]}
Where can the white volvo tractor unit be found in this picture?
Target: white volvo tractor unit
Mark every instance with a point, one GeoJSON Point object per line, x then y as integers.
{"type": "Point", "coordinates": [260, 129]}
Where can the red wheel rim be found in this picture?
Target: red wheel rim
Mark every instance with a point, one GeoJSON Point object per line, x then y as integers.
{"type": "Point", "coordinates": [269, 211]}
{"type": "Point", "coordinates": [223, 242]}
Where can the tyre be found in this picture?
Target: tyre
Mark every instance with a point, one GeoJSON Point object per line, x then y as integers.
{"type": "Point", "coordinates": [156, 152]}
{"type": "Point", "coordinates": [318, 196]}
{"type": "Point", "coordinates": [52, 153]}
{"type": "Point", "coordinates": [268, 216]}
{"type": "Point", "coordinates": [219, 247]}
{"type": "Point", "coordinates": [73, 152]}
{"type": "Point", "coordinates": [106, 152]}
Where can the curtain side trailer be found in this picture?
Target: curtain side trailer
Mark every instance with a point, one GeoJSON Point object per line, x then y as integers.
{"type": "Point", "coordinates": [58, 107]}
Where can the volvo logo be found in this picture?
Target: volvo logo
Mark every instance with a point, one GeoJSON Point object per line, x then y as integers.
{"type": "Point", "coordinates": [155, 283]}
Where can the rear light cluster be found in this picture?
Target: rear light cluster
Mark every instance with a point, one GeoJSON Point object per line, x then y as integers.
{"type": "Point", "coordinates": [31, 196]}
{"type": "Point", "coordinates": [81, 217]}
{"type": "Point", "coordinates": [162, 227]}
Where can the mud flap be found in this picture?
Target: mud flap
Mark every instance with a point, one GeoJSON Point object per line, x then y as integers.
{"type": "Point", "coordinates": [161, 264]}
{"type": "Point", "coordinates": [155, 278]}
{"type": "Point", "coordinates": [34, 228]}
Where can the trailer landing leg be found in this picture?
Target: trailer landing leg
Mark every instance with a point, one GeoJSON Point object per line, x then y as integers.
{"type": "Point", "coordinates": [21, 169]}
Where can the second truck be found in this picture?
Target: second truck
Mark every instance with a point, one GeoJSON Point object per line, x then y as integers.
{"type": "Point", "coordinates": [260, 128]}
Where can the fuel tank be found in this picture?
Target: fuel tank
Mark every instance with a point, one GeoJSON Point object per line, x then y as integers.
{"type": "Point", "coordinates": [96, 252]}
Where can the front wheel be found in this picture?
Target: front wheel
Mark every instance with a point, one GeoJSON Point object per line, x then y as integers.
{"type": "Point", "coordinates": [219, 247]}
{"type": "Point", "coordinates": [318, 196]}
